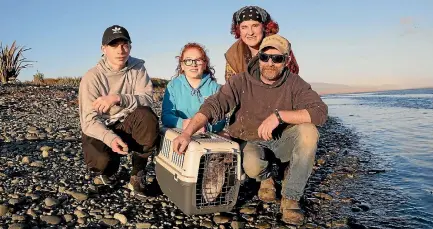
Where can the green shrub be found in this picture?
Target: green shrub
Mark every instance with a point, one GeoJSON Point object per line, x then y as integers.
{"type": "Point", "coordinates": [38, 78]}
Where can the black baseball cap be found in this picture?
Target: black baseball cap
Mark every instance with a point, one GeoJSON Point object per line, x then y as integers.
{"type": "Point", "coordinates": [115, 32]}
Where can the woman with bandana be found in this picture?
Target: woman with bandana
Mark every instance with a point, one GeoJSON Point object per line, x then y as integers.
{"type": "Point", "coordinates": [250, 25]}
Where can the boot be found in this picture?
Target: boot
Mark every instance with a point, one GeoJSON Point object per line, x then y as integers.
{"type": "Point", "coordinates": [267, 191]}
{"type": "Point", "coordinates": [292, 213]}
{"type": "Point", "coordinates": [136, 184]}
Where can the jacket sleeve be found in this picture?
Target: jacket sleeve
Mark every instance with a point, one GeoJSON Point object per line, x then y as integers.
{"type": "Point", "coordinates": [226, 99]}
{"type": "Point", "coordinates": [168, 115]}
{"type": "Point", "coordinates": [219, 126]}
{"type": "Point", "coordinates": [304, 97]}
{"type": "Point", "coordinates": [143, 95]}
{"type": "Point", "coordinates": [90, 124]}
{"type": "Point", "coordinates": [229, 72]}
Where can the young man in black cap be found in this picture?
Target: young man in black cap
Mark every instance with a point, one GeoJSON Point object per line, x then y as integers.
{"type": "Point", "coordinates": [115, 106]}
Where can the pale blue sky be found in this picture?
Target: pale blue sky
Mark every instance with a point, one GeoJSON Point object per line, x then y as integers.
{"type": "Point", "coordinates": [335, 41]}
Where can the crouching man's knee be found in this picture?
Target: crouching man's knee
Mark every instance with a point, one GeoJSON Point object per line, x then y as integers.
{"type": "Point", "coordinates": [254, 167]}
{"type": "Point", "coordinates": [146, 128]}
{"type": "Point", "coordinates": [145, 114]}
{"type": "Point", "coordinates": [307, 136]}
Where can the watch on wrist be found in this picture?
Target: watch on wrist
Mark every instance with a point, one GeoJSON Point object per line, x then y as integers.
{"type": "Point", "coordinates": [277, 113]}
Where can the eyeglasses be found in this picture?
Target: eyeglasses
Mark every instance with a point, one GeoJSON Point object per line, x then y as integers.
{"type": "Point", "coordinates": [189, 62]}
{"type": "Point", "coordinates": [275, 58]}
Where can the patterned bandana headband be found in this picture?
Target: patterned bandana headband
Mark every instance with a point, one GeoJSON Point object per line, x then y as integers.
{"type": "Point", "coordinates": [251, 13]}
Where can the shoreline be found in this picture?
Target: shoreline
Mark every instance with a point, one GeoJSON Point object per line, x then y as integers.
{"type": "Point", "coordinates": [160, 83]}
{"type": "Point", "coordinates": [54, 188]}
{"type": "Point", "coordinates": [342, 92]}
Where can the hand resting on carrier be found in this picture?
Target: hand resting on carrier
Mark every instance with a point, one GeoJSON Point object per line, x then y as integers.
{"type": "Point", "coordinates": [180, 143]}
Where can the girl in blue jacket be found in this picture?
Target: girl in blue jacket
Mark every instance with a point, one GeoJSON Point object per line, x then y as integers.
{"type": "Point", "coordinates": [186, 92]}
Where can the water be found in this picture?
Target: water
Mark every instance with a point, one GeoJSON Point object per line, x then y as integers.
{"type": "Point", "coordinates": [397, 128]}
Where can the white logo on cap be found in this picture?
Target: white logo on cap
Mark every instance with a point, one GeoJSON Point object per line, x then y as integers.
{"type": "Point", "coordinates": [116, 30]}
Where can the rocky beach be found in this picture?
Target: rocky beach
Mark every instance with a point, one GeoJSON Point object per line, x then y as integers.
{"type": "Point", "coordinates": [44, 182]}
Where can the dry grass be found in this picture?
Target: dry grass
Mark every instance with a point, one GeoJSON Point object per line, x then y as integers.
{"type": "Point", "coordinates": [62, 81]}
{"type": "Point", "coordinates": [158, 88]}
{"type": "Point", "coordinates": [159, 83]}
{"type": "Point", "coordinates": [38, 79]}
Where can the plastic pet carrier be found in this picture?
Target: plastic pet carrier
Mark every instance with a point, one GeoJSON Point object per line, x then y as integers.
{"type": "Point", "coordinates": [205, 179]}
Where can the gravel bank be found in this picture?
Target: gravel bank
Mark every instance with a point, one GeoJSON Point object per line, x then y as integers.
{"type": "Point", "coordinates": [44, 183]}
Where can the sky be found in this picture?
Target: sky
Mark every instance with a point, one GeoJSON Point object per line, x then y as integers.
{"type": "Point", "coordinates": [349, 42]}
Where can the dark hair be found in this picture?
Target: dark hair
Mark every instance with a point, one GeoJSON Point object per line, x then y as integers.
{"type": "Point", "coordinates": [271, 28]}
{"type": "Point", "coordinates": [209, 69]}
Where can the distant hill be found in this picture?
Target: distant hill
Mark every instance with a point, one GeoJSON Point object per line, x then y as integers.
{"type": "Point", "coordinates": [322, 88]}
{"type": "Point", "coordinates": [327, 88]}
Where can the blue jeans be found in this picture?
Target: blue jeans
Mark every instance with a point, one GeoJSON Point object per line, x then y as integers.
{"type": "Point", "coordinates": [297, 144]}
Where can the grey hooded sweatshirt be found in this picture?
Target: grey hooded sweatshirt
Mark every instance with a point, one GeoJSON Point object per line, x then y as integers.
{"type": "Point", "coordinates": [132, 84]}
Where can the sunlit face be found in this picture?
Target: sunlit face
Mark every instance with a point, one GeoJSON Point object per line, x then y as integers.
{"type": "Point", "coordinates": [272, 63]}
{"type": "Point", "coordinates": [193, 63]}
{"type": "Point", "coordinates": [117, 53]}
{"type": "Point", "coordinates": [251, 32]}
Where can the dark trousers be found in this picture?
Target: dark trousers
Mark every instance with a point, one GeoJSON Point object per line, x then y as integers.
{"type": "Point", "coordinates": [139, 130]}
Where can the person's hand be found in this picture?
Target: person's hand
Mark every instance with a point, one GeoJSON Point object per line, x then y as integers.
{"type": "Point", "coordinates": [268, 125]}
{"type": "Point", "coordinates": [118, 146]}
{"type": "Point", "coordinates": [104, 103]}
{"type": "Point", "coordinates": [180, 143]}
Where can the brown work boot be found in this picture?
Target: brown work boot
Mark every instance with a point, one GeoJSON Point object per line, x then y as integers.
{"type": "Point", "coordinates": [267, 191]}
{"type": "Point", "coordinates": [292, 213]}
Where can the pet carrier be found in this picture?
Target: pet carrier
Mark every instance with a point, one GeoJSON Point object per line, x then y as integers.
{"type": "Point", "coordinates": [205, 179]}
